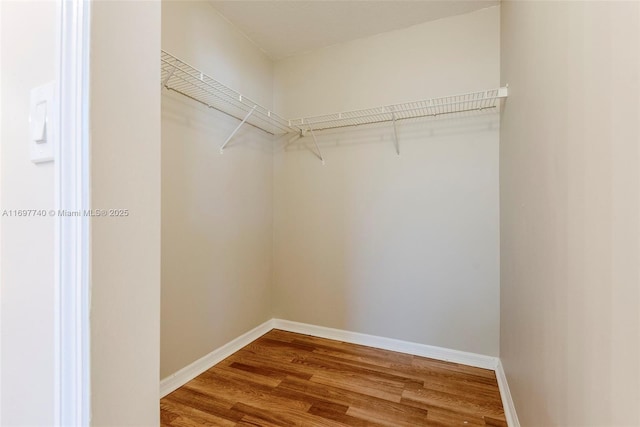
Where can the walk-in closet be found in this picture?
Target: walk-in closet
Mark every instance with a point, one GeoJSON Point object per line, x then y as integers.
{"type": "Point", "coordinates": [320, 213]}
{"type": "Point", "coordinates": [341, 186]}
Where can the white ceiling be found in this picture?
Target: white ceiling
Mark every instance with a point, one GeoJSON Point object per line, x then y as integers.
{"type": "Point", "coordinates": [285, 28]}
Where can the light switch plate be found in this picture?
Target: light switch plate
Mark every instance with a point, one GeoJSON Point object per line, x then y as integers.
{"type": "Point", "coordinates": [41, 123]}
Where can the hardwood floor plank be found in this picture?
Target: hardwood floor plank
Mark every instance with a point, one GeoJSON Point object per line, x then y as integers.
{"type": "Point", "coordinates": [184, 398]}
{"type": "Point", "coordinates": [360, 369]}
{"type": "Point", "coordinates": [355, 351]}
{"type": "Point", "coordinates": [445, 418]}
{"type": "Point", "coordinates": [495, 422]}
{"type": "Point", "coordinates": [189, 416]}
{"type": "Point", "coordinates": [478, 400]}
{"type": "Point", "coordinates": [280, 335]}
{"type": "Point", "coordinates": [390, 392]}
{"type": "Point", "coordinates": [259, 371]}
{"type": "Point", "coordinates": [166, 416]}
{"type": "Point", "coordinates": [300, 389]}
{"type": "Point", "coordinates": [396, 418]}
{"type": "Point", "coordinates": [286, 417]}
{"type": "Point", "coordinates": [336, 412]}
{"type": "Point", "coordinates": [273, 369]}
{"type": "Point", "coordinates": [267, 345]}
{"type": "Point", "coordinates": [218, 389]}
{"type": "Point", "coordinates": [424, 362]}
{"type": "Point", "coordinates": [249, 377]}
{"type": "Point", "coordinates": [435, 399]}
{"type": "Point", "coordinates": [288, 379]}
{"type": "Point", "coordinates": [249, 421]}
{"type": "Point", "coordinates": [406, 372]}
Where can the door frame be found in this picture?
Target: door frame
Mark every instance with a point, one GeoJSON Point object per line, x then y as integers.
{"type": "Point", "coordinates": [72, 284]}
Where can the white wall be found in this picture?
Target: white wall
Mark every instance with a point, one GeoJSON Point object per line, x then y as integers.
{"type": "Point", "coordinates": [217, 211]}
{"type": "Point", "coordinates": [400, 247]}
{"type": "Point", "coordinates": [197, 34]}
{"type": "Point", "coordinates": [424, 61]}
{"type": "Point", "coordinates": [27, 281]}
{"type": "Point", "coordinates": [570, 212]}
{"type": "Point", "coordinates": [125, 252]}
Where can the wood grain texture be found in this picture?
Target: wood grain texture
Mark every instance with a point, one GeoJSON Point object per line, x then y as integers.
{"type": "Point", "coordinates": [289, 379]}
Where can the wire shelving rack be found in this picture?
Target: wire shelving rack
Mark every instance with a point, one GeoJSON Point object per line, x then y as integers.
{"type": "Point", "coordinates": [180, 77]}
{"type": "Point", "coordinates": [467, 102]}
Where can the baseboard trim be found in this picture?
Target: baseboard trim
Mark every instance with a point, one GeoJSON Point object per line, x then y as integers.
{"type": "Point", "coordinates": [189, 372]}
{"type": "Point", "coordinates": [440, 353]}
{"type": "Point", "coordinates": [186, 374]}
{"type": "Point", "coordinates": [505, 394]}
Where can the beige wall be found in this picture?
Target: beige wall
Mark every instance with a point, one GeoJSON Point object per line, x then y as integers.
{"type": "Point", "coordinates": [423, 61]}
{"type": "Point", "coordinates": [125, 174]}
{"type": "Point", "coordinates": [217, 210]}
{"type": "Point", "coordinates": [27, 280]}
{"type": "Point", "coordinates": [404, 247]}
{"type": "Point", "coordinates": [570, 218]}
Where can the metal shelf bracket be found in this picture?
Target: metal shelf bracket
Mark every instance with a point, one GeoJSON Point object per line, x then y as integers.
{"type": "Point", "coordinates": [166, 79]}
{"type": "Point", "coordinates": [395, 134]}
{"type": "Point", "coordinates": [318, 154]}
{"type": "Point", "coordinates": [237, 129]}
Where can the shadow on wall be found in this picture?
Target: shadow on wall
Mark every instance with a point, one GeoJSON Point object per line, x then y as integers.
{"type": "Point", "coordinates": [217, 230]}
{"type": "Point", "coordinates": [216, 125]}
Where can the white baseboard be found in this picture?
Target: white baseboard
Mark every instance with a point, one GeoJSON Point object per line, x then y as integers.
{"type": "Point", "coordinates": [440, 353]}
{"type": "Point", "coordinates": [505, 394]}
{"type": "Point", "coordinates": [186, 374]}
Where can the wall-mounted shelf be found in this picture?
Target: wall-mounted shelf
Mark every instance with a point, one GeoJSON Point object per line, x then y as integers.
{"type": "Point", "coordinates": [473, 101]}
{"type": "Point", "coordinates": [181, 77]}
{"type": "Point", "coordinates": [467, 102]}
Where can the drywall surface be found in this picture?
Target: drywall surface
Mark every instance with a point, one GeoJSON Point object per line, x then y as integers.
{"type": "Point", "coordinates": [125, 251]}
{"type": "Point", "coordinates": [445, 57]}
{"type": "Point", "coordinates": [404, 247]}
{"type": "Point", "coordinates": [27, 290]}
{"type": "Point", "coordinates": [197, 34]}
{"type": "Point", "coordinates": [217, 210]}
{"type": "Point", "coordinates": [570, 218]}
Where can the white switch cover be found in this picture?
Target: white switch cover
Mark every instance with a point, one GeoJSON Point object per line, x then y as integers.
{"type": "Point", "coordinates": [41, 123]}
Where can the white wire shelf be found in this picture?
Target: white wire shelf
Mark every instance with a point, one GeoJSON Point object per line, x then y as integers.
{"type": "Point", "coordinates": [473, 101]}
{"type": "Point", "coordinates": [182, 78]}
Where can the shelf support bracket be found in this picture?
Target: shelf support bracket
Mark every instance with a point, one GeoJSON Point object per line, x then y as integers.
{"type": "Point", "coordinates": [395, 134]}
{"type": "Point", "coordinates": [237, 129]}
{"type": "Point", "coordinates": [166, 80]}
{"type": "Point", "coordinates": [315, 141]}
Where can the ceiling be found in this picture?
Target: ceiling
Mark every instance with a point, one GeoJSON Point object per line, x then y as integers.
{"type": "Point", "coordinates": [286, 28]}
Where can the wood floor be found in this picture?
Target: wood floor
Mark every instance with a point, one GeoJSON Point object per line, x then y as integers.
{"type": "Point", "coordinates": [287, 379]}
